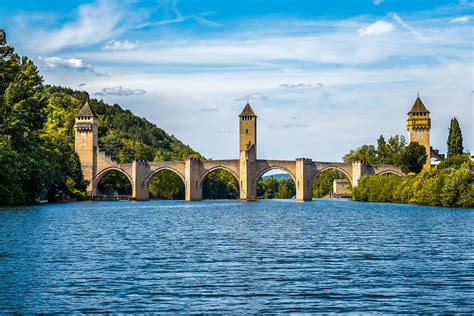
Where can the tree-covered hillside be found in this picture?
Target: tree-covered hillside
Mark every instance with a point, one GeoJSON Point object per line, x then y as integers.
{"type": "Point", "coordinates": [122, 135]}
{"type": "Point", "coordinates": [37, 157]}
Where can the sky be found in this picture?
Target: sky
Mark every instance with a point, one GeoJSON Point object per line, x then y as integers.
{"type": "Point", "coordinates": [323, 76]}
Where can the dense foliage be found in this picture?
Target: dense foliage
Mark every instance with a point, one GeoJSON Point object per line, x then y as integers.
{"type": "Point", "coordinates": [167, 185]}
{"type": "Point", "coordinates": [34, 165]}
{"type": "Point", "coordinates": [385, 153]}
{"type": "Point", "coordinates": [122, 135]}
{"type": "Point", "coordinates": [451, 183]}
{"type": "Point", "coordinates": [455, 139]}
{"type": "Point", "coordinates": [394, 152]}
{"type": "Point", "coordinates": [220, 184]}
{"type": "Point", "coordinates": [323, 184]}
{"type": "Point", "coordinates": [272, 188]}
{"type": "Point", "coordinates": [114, 182]}
{"type": "Point", "coordinates": [437, 187]}
{"type": "Point", "coordinates": [413, 158]}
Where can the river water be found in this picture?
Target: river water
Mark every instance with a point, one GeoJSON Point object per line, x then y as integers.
{"type": "Point", "coordinates": [226, 256]}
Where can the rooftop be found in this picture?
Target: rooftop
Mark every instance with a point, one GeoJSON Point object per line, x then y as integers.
{"type": "Point", "coordinates": [86, 110]}
{"type": "Point", "coordinates": [418, 107]}
{"type": "Point", "coordinates": [247, 111]}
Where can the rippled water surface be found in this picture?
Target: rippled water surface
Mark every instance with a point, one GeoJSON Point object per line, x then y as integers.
{"type": "Point", "coordinates": [223, 256]}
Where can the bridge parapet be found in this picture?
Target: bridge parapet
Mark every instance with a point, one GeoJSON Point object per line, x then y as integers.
{"type": "Point", "coordinates": [230, 165]}
{"type": "Point", "coordinates": [387, 169]}
{"type": "Point", "coordinates": [320, 166]}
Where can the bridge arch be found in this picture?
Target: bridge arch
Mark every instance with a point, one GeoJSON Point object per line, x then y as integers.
{"type": "Point", "coordinates": [345, 172]}
{"type": "Point", "coordinates": [150, 176]}
{"type": "Point", "coordinates": [108, 169]}
{"type": "Point", "coordinates": [394, 172]}
{"type": "Point", "coordinates": [164, 183]}
{"type": "Point", "coordinates": [208, 171]}
{"type": "Point", "coordinates": [262, 172]}
{"type": "Point", "coordinates": [103, 172]}
{"type": "Point", "coordinates": [218, 182]}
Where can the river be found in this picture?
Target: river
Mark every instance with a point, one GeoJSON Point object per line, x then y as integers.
{"type": "Point", "coordinates": [228, 256]}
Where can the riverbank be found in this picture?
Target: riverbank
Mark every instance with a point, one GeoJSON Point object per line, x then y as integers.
{"type": "Point", "coordinates": [436, 187]}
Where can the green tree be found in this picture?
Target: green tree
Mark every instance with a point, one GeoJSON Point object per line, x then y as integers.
{"type": "Point", "coordinates": [455, 139]}
{"type": "Point", "coordinates": [413, 158]}
{"type": "Point", "coordinates": [453, 161]}
{"type": "Point", "coordinates": [267, 187]}
{"type": "Point", "coordinates": [220, 184]}
{"type": "Point", "coordinates": [323, 184]}
{"type": "Point", "coordinates": [366, 153]}
{"type": "Point", "coordinates": [286, 189]}
{"type": "Point", "coordinates": [396, 144]}
{"type": "Point", "coordinates": [383, 151]}
{"type": "Point", "coordinates": [114, 182]}
{"type": "Point", "coordinates": [167, 185]}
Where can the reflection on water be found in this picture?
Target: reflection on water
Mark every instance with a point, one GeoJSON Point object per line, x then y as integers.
{"type": "Point", "coordinates": [222, 256]}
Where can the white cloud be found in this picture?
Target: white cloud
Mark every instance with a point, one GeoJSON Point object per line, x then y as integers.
{"type": "Point", "coordinates": [120, 91]}
{"type": "Point", "coordinates": [76, 64]}
{"type": "Point", "coordinates": [95, 23]}
{"type": "Point", "coordinates": [377, 28]}
{"type": "Point", "coordinates": [461, 19]}
{"type": "Point", "coordinates": [252, 97]}
{"type": "Point", "coordinates": [377, 2]}
{"type": "Point", "coordinates": [299, 85]}
{"type": "Point", "coordinates": [403, 24]}
{"type": "Point", "coordinates": [120, 45]}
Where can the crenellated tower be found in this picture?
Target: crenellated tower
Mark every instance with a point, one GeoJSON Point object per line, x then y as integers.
{"type": "Point", "coordinates": [418, 126]}
{"type": "Point", "coordinates": [248, 153]}
{"type": "Point", "coordinates": [86, 142]}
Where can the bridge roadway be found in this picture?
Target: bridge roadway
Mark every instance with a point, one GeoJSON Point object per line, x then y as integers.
{"type": "Point", "coordinates": [194, 171]}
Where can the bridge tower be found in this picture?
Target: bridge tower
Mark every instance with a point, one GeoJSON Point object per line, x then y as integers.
{"type": "Point", "coordinates": [248, 153]}
{"type": "Point", "coordinates": [418, 126]}
{"type": "Point", "coordinates": [86, 143]}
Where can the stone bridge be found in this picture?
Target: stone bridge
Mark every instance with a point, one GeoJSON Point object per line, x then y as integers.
{"type": "Point", "coordinates": [247, 170]}
{"type": "Point", "coordinates": [194, 171]}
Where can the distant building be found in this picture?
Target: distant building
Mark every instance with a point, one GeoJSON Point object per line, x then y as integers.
{"type": "Point", "coordinates": [436, 157]}
{"type": "Point", "coordinates": [341, 188]}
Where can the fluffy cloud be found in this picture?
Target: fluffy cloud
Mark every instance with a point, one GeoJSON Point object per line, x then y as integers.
{"type": "Point", "coordinates": [461, 19]}
{"type": "Point", "coordinates": [76, 64]}
{"type": "Point", "coordinates": [299, 85]}
{"type": "Point", "coordinates": [376, 28]}
{"type": "Point", "coordinates": [120, 91]}
{"type": "Point", "coordinates": [120, 45]}
{"type": "Point", "coordinates": [377, 2]}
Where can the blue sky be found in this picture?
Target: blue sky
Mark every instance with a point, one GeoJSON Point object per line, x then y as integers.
{"type": "Point", "coordinates": [323, 76]}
